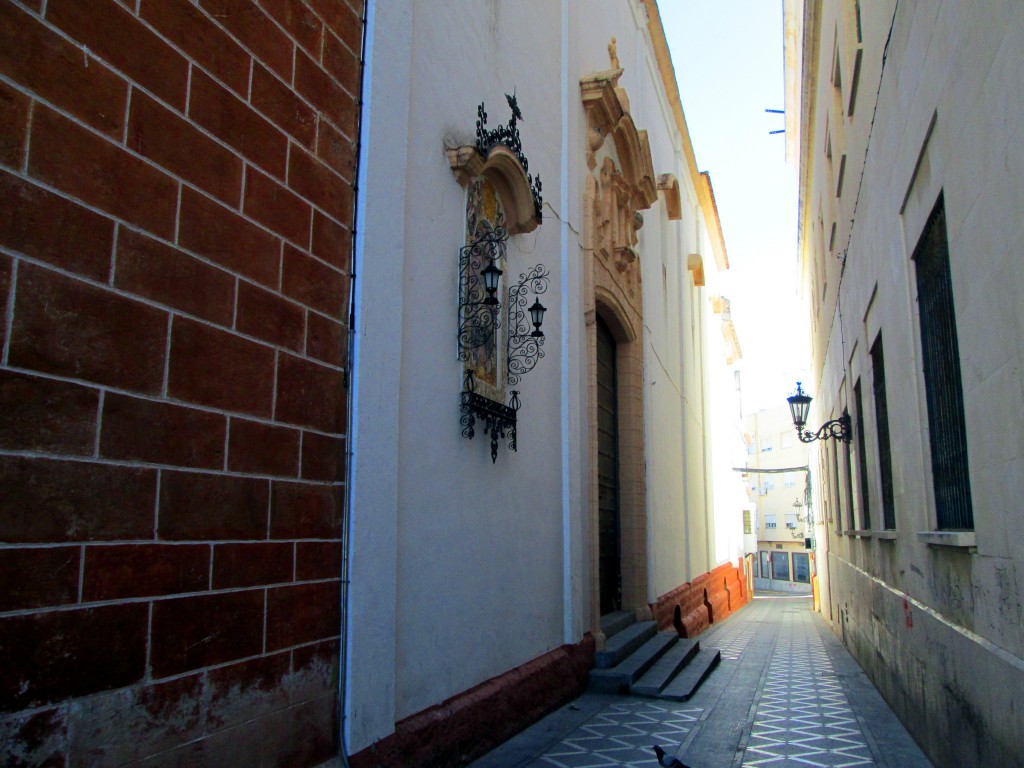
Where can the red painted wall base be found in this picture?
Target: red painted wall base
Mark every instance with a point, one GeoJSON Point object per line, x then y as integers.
{"type": "Point", "coordinates": [472, 723]}
{"type": "Point", "coordinates": [693, 607]}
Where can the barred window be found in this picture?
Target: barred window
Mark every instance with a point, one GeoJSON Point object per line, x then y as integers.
{"type": "Point", "coordinates": [862, 459]}
{"type": "Point", "coordinates": [940, 354]}
{"type": "Point", "coordinates": [882, 433]}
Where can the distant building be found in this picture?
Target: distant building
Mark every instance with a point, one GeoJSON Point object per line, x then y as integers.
{"type": "Point", "coordinates": [907, 122]}
{"type": "Point", "coordinates": [779, 489]}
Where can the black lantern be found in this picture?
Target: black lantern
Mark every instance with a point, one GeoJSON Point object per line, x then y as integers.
{"type": "Point", "coordinates": [537, 317]}
{"type": "Point", "coordinates": [837, 429]}
{"type": "Point", "coordinates": [491, 275]}
{"type": "Point", "coordinates": [799, 405]}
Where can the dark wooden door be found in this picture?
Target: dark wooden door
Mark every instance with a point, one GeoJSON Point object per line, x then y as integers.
{"type": "Point", "coordinates": [610, 563]}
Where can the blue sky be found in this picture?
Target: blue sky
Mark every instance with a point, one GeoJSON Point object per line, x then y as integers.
{"type": "Point", "coordinates": [728, 57]}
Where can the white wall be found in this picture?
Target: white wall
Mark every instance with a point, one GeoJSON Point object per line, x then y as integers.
{"type": "Point", "coordinates": [463, 569]}
{"type": "Point", "coordinates": [457, 564]}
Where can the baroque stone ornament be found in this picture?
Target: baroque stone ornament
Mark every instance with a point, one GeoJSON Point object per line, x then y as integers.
{"type": "Point", "coordinates": [626, 187]}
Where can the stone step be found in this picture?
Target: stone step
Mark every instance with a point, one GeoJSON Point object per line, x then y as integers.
{"type": "Point", "coordinates": [623, 643]}
{"type": "Point", "coordinates": [619, 678]}
{"type": "Point", "coordinates": [666, 668]}
{"type": "Point", "coordinates": [613, 623]}
{"type": "Point", "coordinates": [693, 674]}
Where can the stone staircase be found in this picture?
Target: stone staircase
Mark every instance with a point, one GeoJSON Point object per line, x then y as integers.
{"type": "Point", "coordinates": [640, 660]}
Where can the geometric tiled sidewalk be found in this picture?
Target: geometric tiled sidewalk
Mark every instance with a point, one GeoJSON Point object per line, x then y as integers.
{"type": "Point", "coordinates": [776, 700]}
{"type": "Point", "coordinates": [622, 735]}
{"type": "Point", "coordinates": [803, 717]}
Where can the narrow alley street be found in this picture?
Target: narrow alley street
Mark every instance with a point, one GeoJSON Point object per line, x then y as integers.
{"type": "Point", "coordinates": [785, 694]}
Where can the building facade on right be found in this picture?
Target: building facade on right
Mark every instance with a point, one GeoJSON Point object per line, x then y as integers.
{"type": "Point", "coordinates": [906, 120]}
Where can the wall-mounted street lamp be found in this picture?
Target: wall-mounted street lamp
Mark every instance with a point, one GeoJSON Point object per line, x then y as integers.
{"type": "Point", "coordinates": [798, 508]}
{"type": "Point", "coordinates": [491, 275]}
{"type": "Point", "coordinates": [837, 429]}
{"type": "Point", "coordinates": [537, 317]}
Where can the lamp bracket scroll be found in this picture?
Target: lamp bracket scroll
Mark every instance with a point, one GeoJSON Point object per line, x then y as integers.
{"type": "Point", "coordinates": [838, 429]}
{"type": "Point", "coordinates": [479, 273]}
{"type": "Point", "coordinates": [523, 346]}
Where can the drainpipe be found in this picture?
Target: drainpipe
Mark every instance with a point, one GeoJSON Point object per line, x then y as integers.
{"type": "Point", "coordinates": [568, 538]}
{"type": "Point", "coordinates": [346, 530]}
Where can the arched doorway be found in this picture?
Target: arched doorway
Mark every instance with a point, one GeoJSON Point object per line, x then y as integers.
{"type": "Point", "coordinates": [620, 185]}
{"type": "Point", "coordinates": [609, 517]}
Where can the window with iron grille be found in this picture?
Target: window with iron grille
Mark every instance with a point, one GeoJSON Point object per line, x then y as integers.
{"type": "Point", "coordinates": [847, 488]}
{"type": "Point", "coordinates": [940, 355]}
{"type": "Point", "coordinates": [882, 433]}
{"type": "Point", "coordinates": [837, 488]}
{"type": "Point", "coordinates": [862, 459]}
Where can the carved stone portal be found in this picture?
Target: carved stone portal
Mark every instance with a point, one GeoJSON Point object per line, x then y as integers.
{"type": "Point", "coordinates": [621, 183]}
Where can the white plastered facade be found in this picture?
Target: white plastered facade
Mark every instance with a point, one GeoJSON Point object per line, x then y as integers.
{"type": "Point", "coordinates": [462, 569]}
{"type": "Point", "coordinates": [927, 103]}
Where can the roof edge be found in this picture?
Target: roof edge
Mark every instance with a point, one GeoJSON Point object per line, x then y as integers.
{"type": "Point", "coordinates": [701, 181]}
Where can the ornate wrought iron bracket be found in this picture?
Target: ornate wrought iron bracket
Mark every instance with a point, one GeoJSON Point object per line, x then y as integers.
{"type": "Point", "coordinates": [838, 429]}
{"type": "Point", "coordinates": [508, 135]}
{"type": "Point", "coordinates": [497, 156]}
{"type": "Point", "coordinates": [479, 309]}
{"type": "Point", "coordinates": [499, 420]}
{"type": "Point", "coordinates": [523, 346]}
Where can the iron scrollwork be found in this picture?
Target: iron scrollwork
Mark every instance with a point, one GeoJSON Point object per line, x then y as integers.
{"type": "Point", "coordinates": [837, 429]}
{"type": "Point", "coordinates": [523, 347]}
{"type": "Point", "coordinates": [499, 420]}
{"type": "Point", "coordinates": [508, 135]}
{"type": "Point", "coordinates": [480, 311]}
{"type": "Point", "coordinates": [479, 319]}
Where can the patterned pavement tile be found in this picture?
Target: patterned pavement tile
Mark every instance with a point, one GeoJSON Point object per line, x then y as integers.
{"type": "Point", "coordinates": [623, 735]}
{"type": "Point", "coordinates": [777, 700]}
{"type": "Point", "coordinates": [803, 716]}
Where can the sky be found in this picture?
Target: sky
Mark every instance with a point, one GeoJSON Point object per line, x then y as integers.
{"type": "Point", "coordinates": [728, 57]}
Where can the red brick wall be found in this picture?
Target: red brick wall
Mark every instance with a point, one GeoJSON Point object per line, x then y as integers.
{"type": "Point", "coordinates": [176, 196]}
